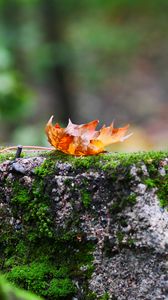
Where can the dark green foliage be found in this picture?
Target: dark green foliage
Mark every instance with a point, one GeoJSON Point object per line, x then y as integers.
{"type": "Point", "coordinates": [13, 104]}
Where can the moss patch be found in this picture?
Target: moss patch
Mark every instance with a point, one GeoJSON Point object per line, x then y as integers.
{"type": "Point", "coordinates": [103, 161]}
{"type": "Point", "coordinates": [113, 160]}
{"type": "Point", "coordinates": [86, 198]}
{"type": "Point", "coordinates": [163, 192]}
{"type": "Point", "coordinates": [6, 156]}
{"type": "Point", "coordinates": [120, 204]}
{"type": "Point", "coordinates": [34, 277]}
{"type": "Point", "coordinates": [158, 181]}
{"type": "Point", "coordinates": [36, 257]}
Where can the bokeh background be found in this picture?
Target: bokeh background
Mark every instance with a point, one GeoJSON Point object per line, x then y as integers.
{"type": "Point", "coordinates": [84, 60]}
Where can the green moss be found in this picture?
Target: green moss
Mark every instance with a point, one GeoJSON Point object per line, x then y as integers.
{"type": "Point", "coordinates": [131, 243]}
{"type": "Point", "coordinates": [104, 160]}
{"type": "Point", "coordinates": [34, 205]}
{"type": "Point", "coordinates": [150, 183]}
{"type": "Point", "coordinates": [105, 297]}
{"type": "Point", "coordinates": [20, 194]}
{"type": "Point", "coordinates": [48, 266]}
{"type": "Point", "coordinates": [83, 162]}
{"type": "Point", "coordinates": [91, 296]}
{"type": "Point", "coordinates": [86, 198]}
{"type": "Point", "coordinates": [9, 156]}
{"type": "Point", "coordinates": [88, 162]}
{"type": "Point", "coordinates": [120, 204]}
{"type": "Point", "coordinates": [6, 156]}
{"type": "Point", "coordinates": [162, 192]}
{"type": "Point", "coordinates": [37, 258]}
{"type": "Point", "coordinates": [166, 168]}
{"type": "Point", "coordinates": [113, 160]}
{"type": "Point", "coordinates": [120, 236]}
{"type": "Point", "coordinates": [43, 278]}
{"type": "Point", "coordinates": [131, 198]}
{"type": "Point", "coordinates": [158, 181]}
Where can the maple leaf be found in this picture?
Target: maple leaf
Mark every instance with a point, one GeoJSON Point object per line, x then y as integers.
{"type": "Point", "coordinates": [83, 139]}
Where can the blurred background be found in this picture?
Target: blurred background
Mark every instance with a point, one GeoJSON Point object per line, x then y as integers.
{"type": "Point", "coordinates": [84, 60]}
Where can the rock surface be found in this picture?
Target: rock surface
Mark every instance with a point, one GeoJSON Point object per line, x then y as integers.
{"type": "Point", "coordinates": [116, 204]}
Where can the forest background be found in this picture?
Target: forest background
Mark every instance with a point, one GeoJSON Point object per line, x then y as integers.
{"type": "Point", "coordinates": [84, 60]}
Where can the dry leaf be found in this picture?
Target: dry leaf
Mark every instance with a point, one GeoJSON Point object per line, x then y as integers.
{"type": "Point", "coordinates": [83, 139]}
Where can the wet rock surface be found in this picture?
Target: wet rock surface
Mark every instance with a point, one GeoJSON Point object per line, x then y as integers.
{"type": "Point", "coordinates": [121, 214]}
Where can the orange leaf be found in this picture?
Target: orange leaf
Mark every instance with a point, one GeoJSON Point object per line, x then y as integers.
{"type": "Point", "coordinates": [83, 139]}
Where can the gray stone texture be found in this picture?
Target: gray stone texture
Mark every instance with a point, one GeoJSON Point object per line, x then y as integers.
{"type": "Point", "coordinates": [131, 238]}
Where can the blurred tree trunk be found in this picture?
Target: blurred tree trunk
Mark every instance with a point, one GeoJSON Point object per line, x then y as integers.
{"type": "Point", "coordinates": [59, 71]}
{"type": "Point", "coordinates": [11, 12]}
{"type": "Point", "coordinates": [12, 21]}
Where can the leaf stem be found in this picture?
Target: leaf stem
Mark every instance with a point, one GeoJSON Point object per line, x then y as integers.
{"type": "Point", "coordinates": [30, 148]}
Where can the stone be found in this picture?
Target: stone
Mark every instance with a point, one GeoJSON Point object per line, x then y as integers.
{"type": "Point", "coordinates": [111, 207]}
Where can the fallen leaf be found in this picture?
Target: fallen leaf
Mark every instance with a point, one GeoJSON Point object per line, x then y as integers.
{"type": "Point", "coordinates": [84, 139]}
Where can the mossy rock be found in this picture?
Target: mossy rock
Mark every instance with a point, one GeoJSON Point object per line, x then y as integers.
{"type": "Point", "coordinates": [63, 216]}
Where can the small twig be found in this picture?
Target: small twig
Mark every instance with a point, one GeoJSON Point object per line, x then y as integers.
{"type": "Point", "coordinates": [30, 148]}
{"type": "Point", "coordinates": [18, 151]}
